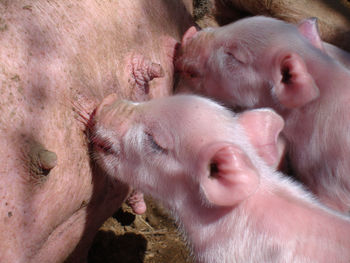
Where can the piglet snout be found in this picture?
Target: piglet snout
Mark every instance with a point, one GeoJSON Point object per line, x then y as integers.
{"type": "Point", "coordinates": [110, 121]}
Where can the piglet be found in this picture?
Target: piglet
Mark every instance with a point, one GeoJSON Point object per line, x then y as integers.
{"type": "Point", "coordinates": [203, 163]}
{"type": "Point", "coordinates": [263, 62]}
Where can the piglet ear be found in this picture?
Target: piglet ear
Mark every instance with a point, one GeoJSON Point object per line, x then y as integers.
{"type": "Point", "coordinates": [189, 34]}
{"type": "Point", "coordinates": [294, 87]}
{"type": "Point", "coordinates": [232, 177]}
{"type": "Point", "coordinates": [263, 127]}
{"type": "Point", "coordinates": [309, 29]}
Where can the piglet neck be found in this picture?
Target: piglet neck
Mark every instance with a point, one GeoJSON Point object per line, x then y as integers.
{"type": "Point", "coordinates": [202, 225]}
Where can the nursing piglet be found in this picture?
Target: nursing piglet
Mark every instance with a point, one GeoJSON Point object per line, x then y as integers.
{"type": "Point", "coordinates": [263, 62]}
{"type": "Point", "coordinates": [203, 163]}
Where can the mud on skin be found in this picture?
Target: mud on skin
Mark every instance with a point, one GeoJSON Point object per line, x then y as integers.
{"type": "Point", "coordinates": [53, 54]}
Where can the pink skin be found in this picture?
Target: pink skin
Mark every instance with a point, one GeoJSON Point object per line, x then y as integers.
{"type": "Point", "coordinates": [309, 29]}
{"type": "Point", "coordinates": [200, 160]}
{"type": "Point", "coordinates": [137, 202]}
{"type": "Point", "coordinates": [58, 60]}
{"type": "Point", "coordinates": [338, 54]}
{"type": "Point", "coordinates": [263, 62]}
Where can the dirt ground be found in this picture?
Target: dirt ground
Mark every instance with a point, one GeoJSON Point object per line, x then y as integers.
{"type": "Point", "coordinates": [129, 238]}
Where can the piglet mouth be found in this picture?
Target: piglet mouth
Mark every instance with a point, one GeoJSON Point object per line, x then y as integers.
{"type": "Point", "coordinates": [178, 68]}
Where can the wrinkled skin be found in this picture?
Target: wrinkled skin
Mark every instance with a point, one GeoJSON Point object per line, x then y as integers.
{"type": "Point", "coordinates": [263, 62]}
{"type": "Point", "coordinates": [58, 58]}
{"type": "Point", "coordinates": [200, 160]}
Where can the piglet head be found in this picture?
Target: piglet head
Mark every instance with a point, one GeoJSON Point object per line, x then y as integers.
{"type": "Point", "coordinates": [192, 56]}
{"type": "Point", "coordinates": [252, 63]}
{"type": "Point", "coordinates": [131, 142]}
{"type": "Point", "coordinates": [110, 122]}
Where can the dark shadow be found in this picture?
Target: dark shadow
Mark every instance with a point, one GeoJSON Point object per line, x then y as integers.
{"type": "Point", "coordinates": [341, 38]}
{"type": "Point", "coordinates": [200, 8]}
{"type": "Point", "coordinates": [111, 248]}
{"type": "Point", "coordinates": [124, 218]}
{"type": "Point", "coordinates": [226, 13]}
{"type": "Point", "coordinates": [339, 6]}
